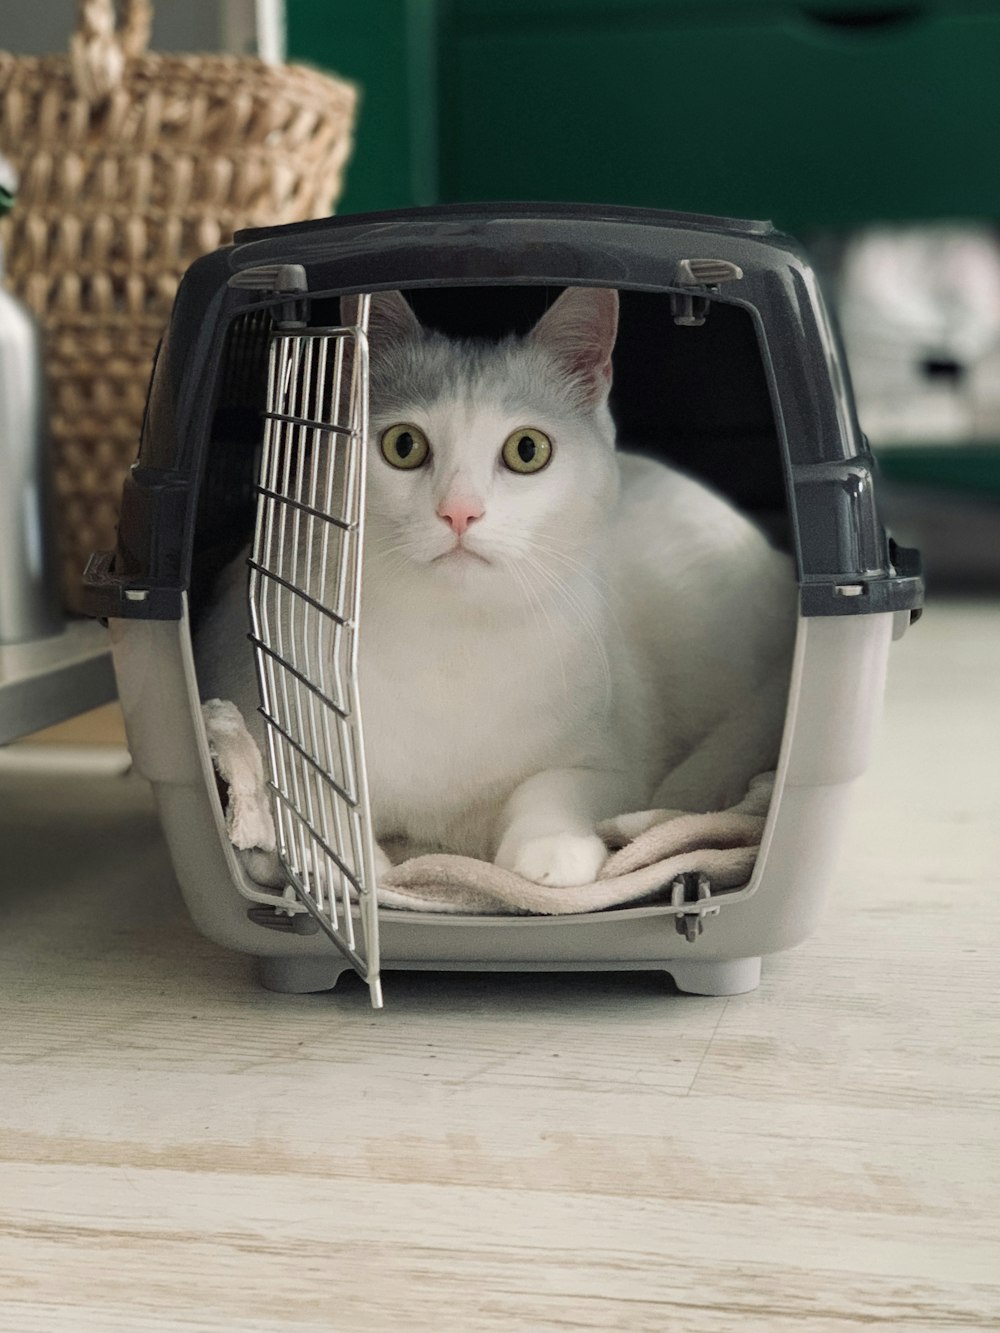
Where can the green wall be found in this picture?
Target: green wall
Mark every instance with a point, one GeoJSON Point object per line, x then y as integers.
{"type": "Point", "coordinates": [390, 49]}
{"type": "Point", "coordinates": [746, 107]}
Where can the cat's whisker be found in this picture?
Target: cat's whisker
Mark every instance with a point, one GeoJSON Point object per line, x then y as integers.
{"type": "Point", "coordinates": [553, 547]}
{"type": "Point", "coordinates": [387, 553]}
{"type": "Point", "coordinates": [385, 566]}
{"type": "Point", "coordinates": [386, 543]}
{"type": "Point", "coordinates": [601, 585]}
{"type": "Point", "coordinates": [533, 600]}
{"type": "Point", "coordinates": [580, 569]}
{"type": "Point", "coordinates": [596, 581]}
{"type": "Point", "coordinates": [531, 543]}
{"type": "Point", "coordinates": [587, 620]}
{"type": "Point", "coordinates": [576, 604]}
{"type": "Point", "coordinates": [386, 548]}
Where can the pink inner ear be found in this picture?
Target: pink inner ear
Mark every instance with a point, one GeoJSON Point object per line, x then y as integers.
{"type": "Point", "coordinates": [579, 329]}
{"type": "Point", "coordinates": [391, 319]}
{"type": "Point", "coordinates": [582, 363]}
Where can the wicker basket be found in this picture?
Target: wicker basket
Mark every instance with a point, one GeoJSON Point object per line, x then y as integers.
{"type": "Point", "coordinates": [131, 166]}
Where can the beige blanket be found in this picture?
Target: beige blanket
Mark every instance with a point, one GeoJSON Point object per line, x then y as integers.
{"type": "Point", "coordinates": [648, 850]}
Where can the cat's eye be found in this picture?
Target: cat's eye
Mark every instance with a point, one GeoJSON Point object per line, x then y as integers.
{"type": "Point", "coordinates": [527, 450]}
{"type": "Point", "coordinates": [405, 446]}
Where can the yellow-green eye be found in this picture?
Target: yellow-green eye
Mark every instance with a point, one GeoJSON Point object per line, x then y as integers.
{"type": "Point", "coordinates": [405, 446]}
{"type": "Point", "coordinates": [527, 450]}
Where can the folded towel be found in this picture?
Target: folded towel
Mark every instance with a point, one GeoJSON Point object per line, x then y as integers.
{"type": "Point", "coordinates": [238, 765]}
{"type": "Point", "coordinates": [650, 849]}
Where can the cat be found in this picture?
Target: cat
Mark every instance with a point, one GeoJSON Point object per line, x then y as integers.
{"type": "Point", "coordinates": [553, 631]}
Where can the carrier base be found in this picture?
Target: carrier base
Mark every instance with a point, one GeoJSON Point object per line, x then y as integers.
{"type": "Point", "coordinates": [305, 975]}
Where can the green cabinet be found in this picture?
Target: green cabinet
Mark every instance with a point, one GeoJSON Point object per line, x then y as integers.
{"type": "Point", "coordinates": [390, 49]}
{"type": "Point", "coordinates": [817, 114]}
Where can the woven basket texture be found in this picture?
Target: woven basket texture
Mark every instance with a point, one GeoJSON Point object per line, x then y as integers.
{"type": "Point", "coordinates": [132, 165]}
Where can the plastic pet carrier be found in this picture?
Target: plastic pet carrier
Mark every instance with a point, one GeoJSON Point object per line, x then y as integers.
{"type": "Point", "coordinates": [726, 365]}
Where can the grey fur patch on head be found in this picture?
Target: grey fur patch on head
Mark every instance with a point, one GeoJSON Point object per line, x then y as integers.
{"type": "Point", "coordinates": [562, 365]}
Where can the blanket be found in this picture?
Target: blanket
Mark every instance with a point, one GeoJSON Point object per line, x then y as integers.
{"type": "Point", "coordinates": [649, 850]}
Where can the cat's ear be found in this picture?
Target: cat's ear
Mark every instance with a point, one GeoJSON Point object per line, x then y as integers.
{"type": "Point", "coordinates": [579, 330]}
{"type": "Point", "coordinates": [390, 319]}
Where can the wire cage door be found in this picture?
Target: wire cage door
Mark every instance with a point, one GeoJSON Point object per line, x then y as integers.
{"type": "Point", "coordinates": [305, 596]}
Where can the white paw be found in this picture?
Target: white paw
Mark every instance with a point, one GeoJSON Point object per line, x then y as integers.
{"type": "Point", "coordinates": [559, 859]}
{"type": "Point", "coordinates": [264, 868]}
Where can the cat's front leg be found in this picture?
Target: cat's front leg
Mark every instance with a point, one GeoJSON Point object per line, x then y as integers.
{"type": "Point", "coordinates": [548, 825]}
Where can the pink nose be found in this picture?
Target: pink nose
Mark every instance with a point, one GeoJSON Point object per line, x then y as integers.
{"type": "Point", "coordinates": [458, 514]}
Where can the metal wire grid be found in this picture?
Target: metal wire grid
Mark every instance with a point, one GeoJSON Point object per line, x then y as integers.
{"type": "Point", "coordinates": [305, 592]}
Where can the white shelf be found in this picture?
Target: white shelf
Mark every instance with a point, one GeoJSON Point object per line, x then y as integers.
{"type": "Point", "coordinates": [45, 681]}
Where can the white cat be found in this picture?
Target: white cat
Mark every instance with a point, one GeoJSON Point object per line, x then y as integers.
{"type": "Point", "coordinates": [553, 632]}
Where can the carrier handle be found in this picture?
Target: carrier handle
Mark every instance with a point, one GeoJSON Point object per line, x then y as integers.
{"type": "Point", "coordinates": [100, 46]}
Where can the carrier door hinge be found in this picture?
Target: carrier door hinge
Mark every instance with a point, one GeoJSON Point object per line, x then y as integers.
{"type": "Point", "coordinates": [274, 919]}
{"type": "Point", "coordinates": [704, 276]}
{"type": "Point", "coordinates": [693, 891]}
{"type": "Point", "coordinates": [282, 279]}
{"type": "Point", "coordinates": [287, 915]}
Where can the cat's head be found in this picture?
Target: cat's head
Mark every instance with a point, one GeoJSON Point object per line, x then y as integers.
{"type": "Point", "coordinates": [488, 459]}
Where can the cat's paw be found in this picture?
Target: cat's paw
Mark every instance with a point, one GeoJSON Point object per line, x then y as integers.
{"type": "Point", "coordinates": [561, 860]}
{"type": "Point", "coordinates": [263, 868]}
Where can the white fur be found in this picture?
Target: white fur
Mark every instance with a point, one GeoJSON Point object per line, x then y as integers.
{"type": "Point", "coordinates": [616, 637]}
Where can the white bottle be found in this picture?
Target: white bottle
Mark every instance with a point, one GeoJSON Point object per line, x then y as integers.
{"type": "Point", "coordinates": [29, 603]}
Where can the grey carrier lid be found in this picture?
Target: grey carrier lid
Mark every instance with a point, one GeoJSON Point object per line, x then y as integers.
{"type": "Point", "coordinates": [846, 563]}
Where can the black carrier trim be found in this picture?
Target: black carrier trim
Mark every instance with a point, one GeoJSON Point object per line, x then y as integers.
{"type": "Point", "coordinates": [846, 562]}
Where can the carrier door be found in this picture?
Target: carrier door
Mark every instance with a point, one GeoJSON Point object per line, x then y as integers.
{"type": "Point", "coordinates": [305, 597]}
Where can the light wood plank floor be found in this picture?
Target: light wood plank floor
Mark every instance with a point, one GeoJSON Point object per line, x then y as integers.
{"type": "Point", "coordinates": [182, 1151]}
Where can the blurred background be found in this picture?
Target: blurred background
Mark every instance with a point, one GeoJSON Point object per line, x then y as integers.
{"type": "Point", "coordinates": [869, 129]}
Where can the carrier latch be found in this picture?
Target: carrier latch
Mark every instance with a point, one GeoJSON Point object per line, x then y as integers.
{"type": "Point", "coordinates": [694, 888]}
{"type": "Point", "coordinates": [281, 279]}
{"type": "Point", "coordinates": [691, 308]}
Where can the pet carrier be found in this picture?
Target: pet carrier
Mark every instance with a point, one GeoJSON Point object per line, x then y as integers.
{"type": "Point", "coordinates": [256, 424]}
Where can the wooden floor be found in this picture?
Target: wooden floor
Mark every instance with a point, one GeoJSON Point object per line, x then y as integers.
{"type": "Point", "coordinates": [180, 1150]}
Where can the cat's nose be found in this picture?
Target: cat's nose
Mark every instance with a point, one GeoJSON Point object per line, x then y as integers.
{"type": "Point", "coordinates": [458, 513]}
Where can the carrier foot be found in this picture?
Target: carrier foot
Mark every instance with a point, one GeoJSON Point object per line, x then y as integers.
{"type": "Point", "coordinates": [301, 976]}
{"type": "Point", "coordinates": [732, 976]}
